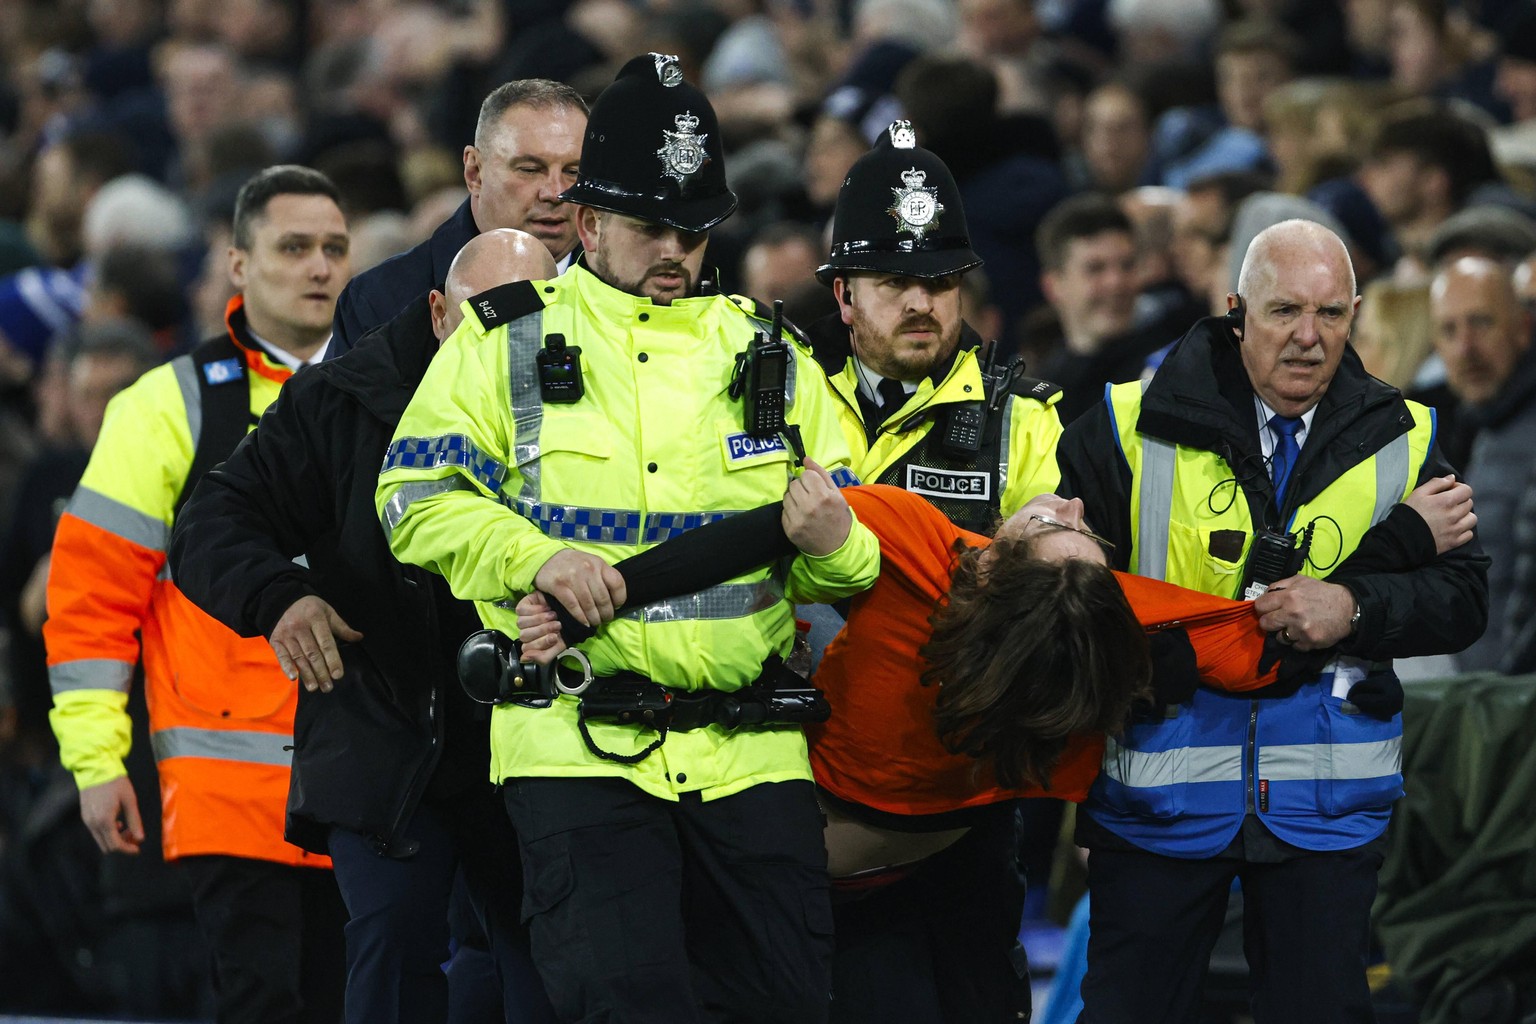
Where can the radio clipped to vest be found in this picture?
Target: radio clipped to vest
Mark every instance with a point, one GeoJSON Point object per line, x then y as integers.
{"type": "Point", "coordinates": [559, 371]}
{"type": "Point", "coordinates": [964, 426]}
{"type": "Point", "coordinates": [1274, 557]}
{"type": "Point", "coordinates": [761, 380]}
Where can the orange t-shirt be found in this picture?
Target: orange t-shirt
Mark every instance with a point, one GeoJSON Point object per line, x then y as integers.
{"type": "Point", "coordinates": [879, 747]}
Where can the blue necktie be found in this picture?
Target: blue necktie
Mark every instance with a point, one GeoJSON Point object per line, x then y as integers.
{"type": "Point", "coordinates": [1286, 450]}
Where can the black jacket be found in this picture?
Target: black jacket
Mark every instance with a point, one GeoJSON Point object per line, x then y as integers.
{"type": "Point", "coordinates": [1201, 398]}
{"type": "Point", "coordinates": [303, 482]}
{"type": "Point", "coordinates": [376, 295]}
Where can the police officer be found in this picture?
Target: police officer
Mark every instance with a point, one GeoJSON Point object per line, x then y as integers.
{"type": "Point", "coordinates": [1260, 424]}
{"type": "Point", "coordinates": [923, 413]}
{"type": "Point", "coordinates": [675, 869]}
{"type": "Point", "coordinates": [916, 407]}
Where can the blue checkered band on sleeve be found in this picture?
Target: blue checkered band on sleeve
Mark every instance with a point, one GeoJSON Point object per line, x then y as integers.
{"type": "Point", "coordinates": [845, 478]}
{"type": "Point", "coordinates": [450, 450]}
{"type": "Point", "coordinates": [611, 525]}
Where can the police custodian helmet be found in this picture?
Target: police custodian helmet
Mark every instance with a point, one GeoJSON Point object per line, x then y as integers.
{"type": "Point", "coordinates": [652, 150]}
{"type": "Point", "coordinates": [899, 212]}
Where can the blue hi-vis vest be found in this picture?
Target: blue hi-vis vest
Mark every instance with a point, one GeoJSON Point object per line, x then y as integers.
{"type": "Point", "coordinates": [1320, 774]}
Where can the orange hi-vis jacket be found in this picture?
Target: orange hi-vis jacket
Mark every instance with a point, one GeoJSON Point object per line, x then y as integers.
{"type": "Point", "coordinates": [220, 709]}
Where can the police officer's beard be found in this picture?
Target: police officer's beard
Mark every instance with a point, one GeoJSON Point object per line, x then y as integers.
{"type": "Point", "coordinates": [676, 269]}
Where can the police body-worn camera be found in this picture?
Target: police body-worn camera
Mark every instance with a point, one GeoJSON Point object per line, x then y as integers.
{"type": "Point", "coordinates": [559, 371]}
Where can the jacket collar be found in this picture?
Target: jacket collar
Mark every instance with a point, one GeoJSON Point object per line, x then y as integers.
{"type": "Point", "coordinates": [385, 367]}
{"type": "Point", "coordinates": [256, 359]}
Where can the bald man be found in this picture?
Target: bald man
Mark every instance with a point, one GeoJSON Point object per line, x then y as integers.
{"type": "Point", "coordinates": [1482, 332]}
{"type": "Point", "coordinates": [391, 761]}
{"type": "Point", "coordinates": [1260, 425]}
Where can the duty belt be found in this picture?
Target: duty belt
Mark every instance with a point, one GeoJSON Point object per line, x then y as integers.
{"type": "Point", "coordinates": [492, 671]}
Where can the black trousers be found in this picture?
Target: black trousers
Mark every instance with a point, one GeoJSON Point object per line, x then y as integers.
{"type": "Point", "coordinates": [275, 933]}
{"type": "Point", "coordinates": [397, 935]}
{"type": "Point", "coordinates": [645, 910]}
{"type": "Point", "coordinates": [1154, 920]}
{"type": "Point", "coordinates": [937, 947]}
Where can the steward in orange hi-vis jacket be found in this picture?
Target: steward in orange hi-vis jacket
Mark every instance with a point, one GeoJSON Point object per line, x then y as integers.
{"type": "Point", "coordinates": [221, 711]}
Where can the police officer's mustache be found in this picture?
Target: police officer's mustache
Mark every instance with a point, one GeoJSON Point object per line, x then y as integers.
{"type": "Point", "coordinates": [919, 323]}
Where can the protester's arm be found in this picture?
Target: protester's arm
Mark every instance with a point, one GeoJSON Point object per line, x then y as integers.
{"type": "Point", "coordinates": [1437, 607]}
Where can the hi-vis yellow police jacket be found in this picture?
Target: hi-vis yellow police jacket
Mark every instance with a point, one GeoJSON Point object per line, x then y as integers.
{"type": "Point", "coordinates": [485, 481]}
{"type": "Point", "coordinates": [1017, 460]}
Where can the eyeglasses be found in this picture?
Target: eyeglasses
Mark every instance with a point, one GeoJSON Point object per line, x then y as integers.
{"type": "Point", "coordinates": [1057, 524]}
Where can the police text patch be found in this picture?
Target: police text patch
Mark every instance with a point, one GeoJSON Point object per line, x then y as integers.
{"type": "Point", "coordinates": [949, 483]}
{"type": "Point", "coordinates": [745, 446]}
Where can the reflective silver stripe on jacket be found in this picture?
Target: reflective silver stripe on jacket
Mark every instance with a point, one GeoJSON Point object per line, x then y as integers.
{"type": "Point", "coordinates": [116, 518]}
{"type": "Point", "coordinates": [1142, 769]}
{"type": "Point", "coordinates": [524, 336]}
{"type": "Point", "coordinates": [394, 508]}
{"type": "Point", "coordinates": [91, 674]}
{"type": "Point", "coordinates": [191, 395]}
{"type": "Point", "coordinates": [1158, 463]}
{"type": "Point", "coordinates": [1391, 476]}
{"type": "Point", "coordinates": [1303, 762]}
{"type": "Point", "coordinates": [725, 601]}
{"type": "Point", "coordinates": [1005, 438]}
{"type": "Point", "coordinates": [223, 745]}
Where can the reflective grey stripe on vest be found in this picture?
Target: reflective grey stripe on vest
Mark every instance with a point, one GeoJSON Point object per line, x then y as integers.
{"type": "Point", "coordinates": [91, 674]}
{"type": "Point", "coordinates": [223, 745]}
{"type": "Point", "coordinates": [1391, 476]}
{"type": "Point", "coordinates": [116, 518]}
{"type": "Point", "coordinates": [191, 396]}
{"type": "Point", "coordinates": [524, 336]}
{"type": "Point", "coordinates": [1141, 769]}
{"type": "Point", "coordinates": [1157, 468]}
{"type": "Point", "coordinates": [1005, 435]}
{"type": "Point", "coordinates": [1304, 762]}
{"type": "Point", "coordinates": [1157, 465]}
{"type": "Point", "coordinates": [394, 508]}
{"type": "Point", "coordinates": [726, 601]}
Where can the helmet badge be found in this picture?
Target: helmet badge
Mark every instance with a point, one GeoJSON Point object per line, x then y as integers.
{"type": "Point", "coordinates": [682, 154]}
{"type": "Point", "coordinates": [902, 135]}
{"type": "Point", "coordinates": [668, 73]}
{"type": "Point", "coordinates": [915, 206]}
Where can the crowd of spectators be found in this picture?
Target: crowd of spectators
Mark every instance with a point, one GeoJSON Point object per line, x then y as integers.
{"type": "Point", "coordinates": [1115, 157]}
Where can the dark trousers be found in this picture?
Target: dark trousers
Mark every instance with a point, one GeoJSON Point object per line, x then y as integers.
{"type": "Point", "coordinates": [937, 947]}
{"type": "Point", "coordinates": [275, 933]}
{"type": "Point", "coordinates": [641, 909]}
{"type": "Point", "coordinates": [397, 937]}
{"type": "Point", "coordinates": [1154, 920]}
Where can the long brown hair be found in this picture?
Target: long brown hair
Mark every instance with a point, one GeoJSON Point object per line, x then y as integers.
{"type": "Point", "coordinates": [1028, 652]}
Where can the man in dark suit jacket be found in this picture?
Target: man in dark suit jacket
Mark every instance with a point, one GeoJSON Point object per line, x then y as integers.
{"type": "Point", "coordinates": [526, 151]}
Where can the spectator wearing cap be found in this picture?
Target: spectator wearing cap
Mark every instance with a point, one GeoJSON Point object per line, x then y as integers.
{"type": "Point", "coordinates": [1482, 332]}
{"type": "Point", "coordinates": [908, 374]}
{"type": "Point", "coordinates": [526, 150]}
{"type": "Point", "coordinates": [675, 870]}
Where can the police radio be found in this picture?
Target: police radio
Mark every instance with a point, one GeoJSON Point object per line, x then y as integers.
{"type": "Point", "coordinates": [1274, 557]}
{"type": "Point", "coordinates": [965, 424]}
{"type": "Point", "coordinates": [559, 370]}
{"type": "Point", "coordinates": [761, 374]}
